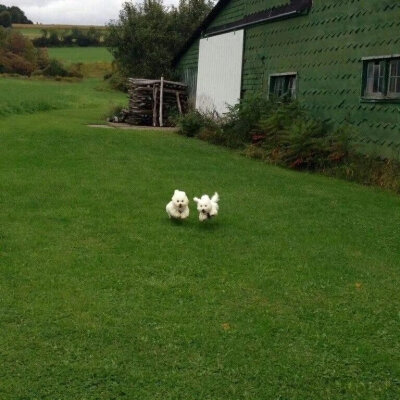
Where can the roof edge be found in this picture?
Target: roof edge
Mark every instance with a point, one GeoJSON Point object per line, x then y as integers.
{"type": "Point", "coordinates": [197, 33]}
{"type": "Point", "coordinates": [295, 8]}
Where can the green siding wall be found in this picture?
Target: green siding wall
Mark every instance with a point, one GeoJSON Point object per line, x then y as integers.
{"type": "Point", "coordinates": [191, 58]}
{"type": "Point", "coordinates": [325, 49]}
{"type": "Point", "coordinates": [187, 68]}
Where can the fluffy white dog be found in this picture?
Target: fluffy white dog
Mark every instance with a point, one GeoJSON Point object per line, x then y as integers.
{"type": "Point", "coordinates": [207, 207]}
{"type": "Point", "coordinates": [178, 207]}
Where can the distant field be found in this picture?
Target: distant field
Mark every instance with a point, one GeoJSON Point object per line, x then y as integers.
{"type": "Point", "coordinates": [72, 55]}
{"type": "Point", "coordinates": [96, 60]}
{"type": "Point", "coordinates": [33, 31]}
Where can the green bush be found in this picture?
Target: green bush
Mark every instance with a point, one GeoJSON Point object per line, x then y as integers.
{"type": "Point", "coordinates": [191, 123]}
{"type": "Point", "coordinates": [287, 135]}
{"type": "Point", "coordinates": [283, 133]}
{"type": "Point", "coordinates": [369, 171]}
{"type": "Point", "coordinates": [239, 123]}
{"type": "Point", "coordinates": [55, 68]}
{"type": "Point", "coordinates": [117, 80]}
{"type": "Point", "coordinates": [18, 55]}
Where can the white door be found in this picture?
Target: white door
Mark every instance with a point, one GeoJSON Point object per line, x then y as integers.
{"type": "Point", "coordinates": [220, 72]}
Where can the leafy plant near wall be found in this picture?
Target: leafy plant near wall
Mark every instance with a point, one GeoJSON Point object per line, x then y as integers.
{"type": "Point", "coordinates": [285, 134]}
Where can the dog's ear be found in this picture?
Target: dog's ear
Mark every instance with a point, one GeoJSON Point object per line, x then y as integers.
{"type": "Point", "coordinates": [176, 192]}
{"type": "Point", "coordinates": [196, 199]}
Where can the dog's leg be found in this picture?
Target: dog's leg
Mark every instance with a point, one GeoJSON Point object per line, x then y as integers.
{"type": "Point", "coordinates": [202, 217]}
{"type": "Point", "coordinates": [185, 214]}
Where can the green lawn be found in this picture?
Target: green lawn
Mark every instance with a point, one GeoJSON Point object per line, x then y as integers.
{"type": "Point", "coordinates": [292, 293]}
{"type": "Point", "coordinates": [85, 55]}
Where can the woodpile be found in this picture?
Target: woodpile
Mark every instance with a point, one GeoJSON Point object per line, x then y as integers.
{"type": "Point", "coordinates": [152, 102]}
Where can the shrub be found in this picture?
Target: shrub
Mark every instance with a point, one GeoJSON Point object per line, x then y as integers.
{"type": "Point", "coordinates": [14, 63]}
{"type": "Point", "coordinates": [242, 119]}
{"type": "Point", "coordinates": [117, 81]}
{"type": "Point", "coordinates": [55, 68]}
{"type": "Point", "coordinates": [368, 171]}
{"type": "Point", "coordinates": [75, 70]}
{"type": "Point", "coordinates": [18, 55]}
{"type": "Point", "coordinates": [191, 123]}
{"type": "Point", "coordinates": [285, 134]}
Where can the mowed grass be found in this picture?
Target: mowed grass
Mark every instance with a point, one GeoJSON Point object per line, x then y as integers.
{"type": "Point", "coordinates": [73, 55]}
{"type": "Point", "coordinates": [291, 293]}
{"type": "Point", "coordinates": [27, 96]}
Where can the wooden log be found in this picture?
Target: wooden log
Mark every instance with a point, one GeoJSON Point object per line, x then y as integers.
{"type": "Point", "coordinates": [155, 92]}
{"type": "Point", "coordinates": [178, 100]}
{"type": "Point", "coordinates": [161, 101]}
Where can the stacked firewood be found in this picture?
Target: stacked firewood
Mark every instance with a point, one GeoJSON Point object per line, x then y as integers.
{"type": "Point", "coordinates": [153, 102]}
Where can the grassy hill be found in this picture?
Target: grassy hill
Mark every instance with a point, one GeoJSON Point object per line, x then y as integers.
{"type": "Point", "coordinates": [72, 55]}
{"type": "Point", "coordinates": [291, 293]}
{"type": "Point", "coordinates": [96, 61]}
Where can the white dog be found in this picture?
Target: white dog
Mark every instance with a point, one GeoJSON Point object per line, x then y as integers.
{"type": "Point", "coordinates": [207, 207]}
{"type": "Point", "coordinates": [178, 207]}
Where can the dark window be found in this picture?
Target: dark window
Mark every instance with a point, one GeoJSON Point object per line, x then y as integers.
{"type": "Point", "coordinates": [381, 80]}
{"type": "Point", "coordinates": [394, 78]}
{"type": "Point", "coordinates": [283, 86]}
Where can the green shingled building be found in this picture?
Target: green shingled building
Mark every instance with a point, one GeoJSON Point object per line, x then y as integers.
{"type": "Point", "coordinates": [340, 58]}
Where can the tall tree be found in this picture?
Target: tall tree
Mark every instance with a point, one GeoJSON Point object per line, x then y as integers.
{"type": "Point", "coordinates": [17, 15]}
{"type": "Point", "coordinates": [147, 35]}
{"type": "Point", "coordinates": [5, 19]}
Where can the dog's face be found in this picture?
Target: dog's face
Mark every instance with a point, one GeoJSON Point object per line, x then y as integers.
{"type": "Point", "coordinates": [180, 199]}
{"type": "Point", "coordinates": [204, 204]}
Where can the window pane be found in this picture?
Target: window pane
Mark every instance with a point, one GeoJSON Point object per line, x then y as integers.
{"type": "Point", "coordinates": [279, 86]}
{"type": "Point", "coordinates": [375, 78]}
{"type": "Point", "coordinates": [284, 86]}
{"type": "Point", "coordinates": [394, 77]}
{"type": "Point", "coordinates": [369, 89]}
{"type": "Point", "coordinates": [292, 87]}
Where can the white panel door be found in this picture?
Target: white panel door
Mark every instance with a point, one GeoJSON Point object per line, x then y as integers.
{"type": "Point", "coordinates": [220, 72]}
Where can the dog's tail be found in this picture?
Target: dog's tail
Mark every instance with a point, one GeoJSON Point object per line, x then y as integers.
{"type": "Point", "coordinates": [215, 198]}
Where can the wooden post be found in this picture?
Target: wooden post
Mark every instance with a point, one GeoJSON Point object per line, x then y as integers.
{"type": "Point", "coordinates": [161, 100]}
{"type": "Point", "coordinates": [178, 100]}
{"type": "Point", "coordinates": [155, 92]}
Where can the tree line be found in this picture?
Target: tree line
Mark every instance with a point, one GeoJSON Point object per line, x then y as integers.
{"type": "Point", "coordinates": [12, 15]}
{"type": "Point", "coordinates": [71, 37]}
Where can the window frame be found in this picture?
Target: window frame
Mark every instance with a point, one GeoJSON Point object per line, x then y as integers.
{"type": "Point", "coordinates": [386, 96]}
{"type": "Point", "coordinates": [271, 87]}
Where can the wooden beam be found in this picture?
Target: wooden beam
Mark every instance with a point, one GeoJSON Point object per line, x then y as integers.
{"type": "Point", "coordinates": [155, 92]}
{"type": "Point", "coordinates": [161, 101]}
{"type": "Point", "coordinates": [178, 100]}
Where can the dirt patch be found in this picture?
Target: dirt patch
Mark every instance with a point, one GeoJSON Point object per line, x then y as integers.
{"type": "Point", "coordinates": [112, 125]}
